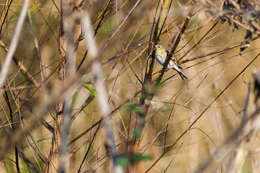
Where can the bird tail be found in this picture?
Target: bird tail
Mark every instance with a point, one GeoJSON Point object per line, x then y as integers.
{"type": "Point", "coordinates": [183, 77]}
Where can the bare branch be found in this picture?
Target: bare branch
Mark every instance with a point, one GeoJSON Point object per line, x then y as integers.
{"type": "Point", "coordinates": [14, 43]}
{"type": "Point", "coordinates": [68, 25]}
{"type": "Point", "coordinates": [100, 87]}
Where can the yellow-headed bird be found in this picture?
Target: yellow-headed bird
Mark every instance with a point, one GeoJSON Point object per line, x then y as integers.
{"type": "Point", "coordinates": [161, 54]}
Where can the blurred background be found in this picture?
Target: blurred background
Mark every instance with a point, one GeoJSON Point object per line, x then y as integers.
{"type": "Point", "coordinates": [210, 53]}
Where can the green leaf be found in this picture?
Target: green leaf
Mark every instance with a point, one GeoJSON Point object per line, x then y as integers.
{"type": "Point", "coordinates": [144, 95]}
{"type": "Point", "coordinates": [122, 161]}
{"type": "Point", "coordinates": [137, 157]}
{"type": "Point", "coordinates": [32, 8]}
{"type": "Point", "coordinates": [126, 159]}
{"type": "Point", "coordinates": [89, 88]}
{"type": "Point", "coordinates": [136, 134]}
{"type": "Point", "coordinates": [134, 108]}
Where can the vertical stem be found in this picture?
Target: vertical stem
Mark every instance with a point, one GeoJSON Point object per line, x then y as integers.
{"type": "Point", "coordinates": [4, 14]}
{"type": "Point", "coordinates": [100, 87]}
{"type": "Point", "coordinates": [68, 26]}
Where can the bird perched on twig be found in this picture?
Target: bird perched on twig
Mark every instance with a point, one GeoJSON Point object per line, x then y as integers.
{"type": "Point", "coordinates": [161, 55]}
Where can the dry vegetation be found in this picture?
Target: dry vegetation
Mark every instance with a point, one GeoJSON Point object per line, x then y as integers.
{"type": "Point", "coordinates": [81, 90]}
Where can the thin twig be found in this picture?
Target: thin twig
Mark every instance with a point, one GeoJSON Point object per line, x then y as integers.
{"type": "Point", "coordinates": [95, 32]}
{"type": "Point", "coordinates": [175, 45]}
{"type": "Point", "coordinates": [82, 107]}
{"type": "Point", "coordinates": [115, 31]}
{"type": "Point", "coordinates": [13, 128]}
{"type": "Point", "coordinates": [195, 45]}
{"type": "Point", "coordinates": [101, 119]}
{"type": "Point", "coordinates": [21, 66]}
{"type": "Point", "coordinates": [4, 14]}
{"type": "Point", "coordinates": [231, 143]}
{"type": "Point", "coordinates": [244, 117]}
{"type": "Point", "coordinates": [202, 113]}
{"type": "Point", "coordinates": [27, 161]}
{"type": "Point", "coordinates": [89, 147]}
{"type": "Point", "coordinates": [14, 42]}
{"type": "Point", "coordinates": [37, 46]}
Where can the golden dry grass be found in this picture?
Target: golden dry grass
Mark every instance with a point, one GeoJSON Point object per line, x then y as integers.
{"type": "Point", "coordinates": [214, 94]}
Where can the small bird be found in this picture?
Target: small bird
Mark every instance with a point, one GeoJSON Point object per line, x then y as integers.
{"type": "Point", "coordinates": [161, 54]}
